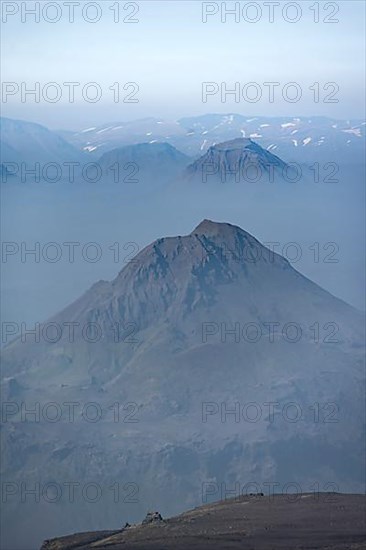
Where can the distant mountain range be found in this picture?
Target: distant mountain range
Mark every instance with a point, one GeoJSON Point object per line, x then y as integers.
{"type": "Point", "coordinates": [194, 328]}
{"type": "Point", "coordinates": [301, 139]}
{"type": "Point", "coordinates": [153, 162]}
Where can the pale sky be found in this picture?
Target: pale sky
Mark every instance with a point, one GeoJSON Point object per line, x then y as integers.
{"type": "Point", "coordinates": [170, 52]}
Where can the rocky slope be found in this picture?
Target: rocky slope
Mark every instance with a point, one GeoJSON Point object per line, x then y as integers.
{"type": "Point", "coordinates": [307, 521]}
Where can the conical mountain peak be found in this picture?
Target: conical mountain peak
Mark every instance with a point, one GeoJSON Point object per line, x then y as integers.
{"type": "Point", "coordinates": [235, 160]}
{"type": "Point", "coordinates": [218, 274]}
{"type": "Point", "coordinates": [209, 226]}
{"type": "Point", "coordinates": [237, 143]}
{"type": "Point", "coordinates": [221, 231]}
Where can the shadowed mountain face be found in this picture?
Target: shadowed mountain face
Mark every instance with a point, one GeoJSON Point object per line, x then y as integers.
{"type": "Point", "coordinates": [146, 162]}
{"type": "Point", "coordinates": [238, 160]}
{"type": "Point", "coordinates": [322, 521]}
{"type": "Point", "coordinates": [226, 365]}
{"type": "Point", "coordinates": [30, 143]}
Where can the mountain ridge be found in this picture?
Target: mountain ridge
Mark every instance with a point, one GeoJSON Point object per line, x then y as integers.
{"type": "Point", "coordinates": [299, 139]}
{"type": "Point", "coordinates": [30, 143]}
{"type": "Point", "coordinates": [156, 163]}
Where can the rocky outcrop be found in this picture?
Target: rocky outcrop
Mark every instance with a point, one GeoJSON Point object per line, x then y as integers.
{"type": "Point", "coordinates": [152, 517]}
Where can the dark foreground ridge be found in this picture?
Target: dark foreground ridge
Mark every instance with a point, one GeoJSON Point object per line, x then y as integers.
{"type": "Point", "coordinates": [329, 521]}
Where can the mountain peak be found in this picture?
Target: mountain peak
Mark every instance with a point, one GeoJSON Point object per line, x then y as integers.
{"type": "Point", "coordinates": [233, 144]}
{"type": "Point", "coordinates": [239, 159]}
{"type": "Point", "coordinates": [210, 227]}
{"type": "Point", "coordinates": [154, 162]}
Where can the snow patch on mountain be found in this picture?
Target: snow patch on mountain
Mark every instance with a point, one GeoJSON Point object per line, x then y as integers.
{"type": "Point", "coordinates": [354, 131]}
